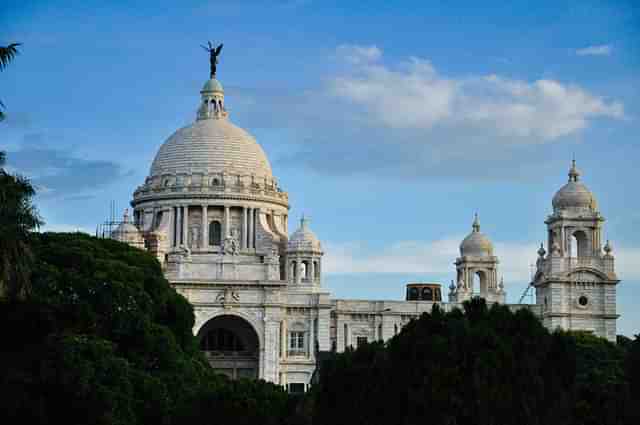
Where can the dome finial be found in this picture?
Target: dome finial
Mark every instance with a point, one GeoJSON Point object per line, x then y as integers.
{"type": "Point", "coordinates": [476, 223]}
{"type": "Point", "coordinates": [574, 174]}
{"type": "Point", "coordinates": [304, 221]}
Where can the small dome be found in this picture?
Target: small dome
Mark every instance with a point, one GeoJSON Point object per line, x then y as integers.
{"type": "Point", "coordinates": [212, 85]}
{"type": "Point", "coordinates": [574, 195]}
{"type": "Point", "coordinates": [304, 239]}
{"type": "Point", "coordinates": [476, 244]}
{"type": "Point", "coordinates": [126, 231]}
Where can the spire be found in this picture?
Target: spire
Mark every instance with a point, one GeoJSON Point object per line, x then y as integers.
{"type": "Point", "coordinates": [574, 174]}
{"type": "Point", "coordinates": [476, 224]}
{"type": "Point", "coordinates": [304, 222]}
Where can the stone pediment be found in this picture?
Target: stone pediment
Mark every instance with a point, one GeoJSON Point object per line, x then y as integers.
{"type": "Point", "coordinates": [587, 275]}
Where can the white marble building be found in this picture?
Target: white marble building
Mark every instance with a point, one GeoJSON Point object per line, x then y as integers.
{"type": "Point", "coordinates": [213, 213]}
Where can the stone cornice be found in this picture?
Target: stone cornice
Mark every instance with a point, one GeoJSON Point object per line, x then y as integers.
{"type": "Point", "coordinates": [141, 197]}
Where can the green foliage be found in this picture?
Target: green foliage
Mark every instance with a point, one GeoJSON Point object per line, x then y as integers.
{"type": "Point", "coordinates": [477, 366]}
{"type": "Point", "coordinates": [7, 53]}
{"type": "Point", "coordinates": [18, 217]}
{"type": "Point", "coordinates": [104, 339]}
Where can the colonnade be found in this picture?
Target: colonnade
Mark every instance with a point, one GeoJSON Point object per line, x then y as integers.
{"type": "Point", "coordinates": [180, 226]}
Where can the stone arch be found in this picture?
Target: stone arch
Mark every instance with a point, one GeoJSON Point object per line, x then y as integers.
{"type": "Point", "coordinates": [232, 344]}
{"type": "Point", "coordinates": [480, 282]}
{"type": "Point", "coordinates": [293, 271]}
{"type": "Point", "coordinates": [580, 244]}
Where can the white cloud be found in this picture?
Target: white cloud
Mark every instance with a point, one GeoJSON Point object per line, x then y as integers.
{"type": "Point", "coordinates": [424, 257]}
{"type": "Point", "coordinates": [600, 50]}
{"type": "Point", "coordinates": [437, 257]}
{"type": "Point", "coordinates": [413, 95]}
{"type": "Point", "coordinates": [358, 54]}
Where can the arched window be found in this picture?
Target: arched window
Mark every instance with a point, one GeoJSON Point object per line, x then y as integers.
{"type": "Point", "coordinates": [579, 244]}
{"type": "Point", "coordinates": [480, 283]}
{"type": "Point", "coordinates": [215, 233]}
{"type": "Point", "coordinates": [304, 270]}
{"type": "Point", "coordinates": [316, 270]}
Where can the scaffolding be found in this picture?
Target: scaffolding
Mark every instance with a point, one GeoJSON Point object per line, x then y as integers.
{"type": "Point", "coordinates": [105, 229]}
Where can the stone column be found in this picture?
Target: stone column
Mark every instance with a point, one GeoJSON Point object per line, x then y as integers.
{"type": "Point", "coordinates": [205, 228]}
{"type": "Point", "coordinates": [312, 271]}
{"type": "Point", "coordinates": [284, 338]}
{"type": "Point", "coordinates": [243, 243]}
{"type": "Point", "coordinates": [250, 233]}
{"type": "Point", "coordinates": [172, 227]}
{"type": "Point", "coordinates": [185, 225]}
{"type": "Point", "coordinates": [226, 222]}
{"type": "Point", "coordinates": [179, 227]}
{"type": "Point", "coordinates": [312, 339]}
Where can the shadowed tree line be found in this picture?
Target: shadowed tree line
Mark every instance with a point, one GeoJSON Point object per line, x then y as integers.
{"type": "Point", "coordinates": [482, 366]}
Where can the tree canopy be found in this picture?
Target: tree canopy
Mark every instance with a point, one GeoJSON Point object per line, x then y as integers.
{"type": "Point", "coordinates": [480, 366]}
{"type": "Point", "coordinates": [104, 339]}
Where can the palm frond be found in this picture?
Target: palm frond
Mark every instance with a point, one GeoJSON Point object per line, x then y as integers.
{"type": "Point", "coordinates": [7, 53]}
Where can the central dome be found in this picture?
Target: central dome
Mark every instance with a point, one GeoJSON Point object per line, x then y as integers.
{"type": "Point", "coordinates": [213, 145]}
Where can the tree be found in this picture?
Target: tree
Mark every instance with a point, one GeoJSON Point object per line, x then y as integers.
{"type": "Point", "coordinates": [7, 53]}
{"type": "Point", "coordinates": [18, 218]}
{"type": "Point", "coordinates": [479, 366]}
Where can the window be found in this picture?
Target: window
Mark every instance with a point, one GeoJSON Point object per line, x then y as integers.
{"type": "Point", "coordinates": [221, 340]}
{"type": "Point", "coordinates": [413, 294]}
{"type": "Point", "coordinates": [297, 343]}
{"type": "Point", "coordinates": [215, 233]}
{"type": "Point", "coordinates": [427, 294]}
{"type": "Point", "coordinates": [296, 388]}
{"type": "Point", "coordinates": [361, 340]}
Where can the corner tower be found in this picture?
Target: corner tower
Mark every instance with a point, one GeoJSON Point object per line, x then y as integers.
{"type": "Point", "coordinates": [575, 281]}
{"type": "Point", "coordinates": [477, 261]}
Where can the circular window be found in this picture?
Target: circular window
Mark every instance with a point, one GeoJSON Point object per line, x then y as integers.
{"type": "Point", "coordinates": [583, 300]}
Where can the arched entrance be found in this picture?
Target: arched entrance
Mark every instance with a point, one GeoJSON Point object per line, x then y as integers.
{"type": "Point", "coordinates": [232, 346]}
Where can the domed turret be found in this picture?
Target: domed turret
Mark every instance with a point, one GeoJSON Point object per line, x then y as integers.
{"type": "Point", "coordinates": [128, 233]}
{"type": "Point", "coordinates": [304, 255]}
{"type": "Point", "coordinates": [478, 263]}
{"type": "Point", "coordinates": [303, 239]}
{"type": "Point", "coordinates": [476, 244]}
{"type": "Point", "coordinates": [574, 195]}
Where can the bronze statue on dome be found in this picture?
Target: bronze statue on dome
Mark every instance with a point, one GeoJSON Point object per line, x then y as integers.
{"type": "Point", "coordinates": [213, 57]}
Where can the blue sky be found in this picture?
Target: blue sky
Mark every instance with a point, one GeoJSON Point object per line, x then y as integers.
{"type": "Point", "coordinates": [389, 123]}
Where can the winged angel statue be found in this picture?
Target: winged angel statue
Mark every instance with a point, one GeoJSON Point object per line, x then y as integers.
{"type": "Point", "coordinates": [213, 56]}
